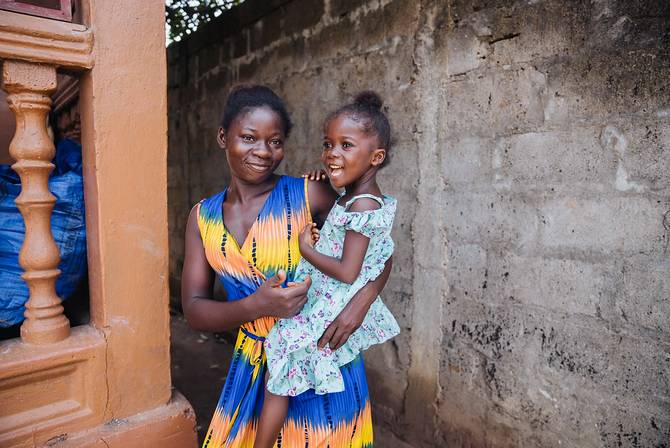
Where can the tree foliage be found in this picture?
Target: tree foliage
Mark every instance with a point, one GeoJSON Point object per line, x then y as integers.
{"type": "Point", "coordinates": [182, 17]}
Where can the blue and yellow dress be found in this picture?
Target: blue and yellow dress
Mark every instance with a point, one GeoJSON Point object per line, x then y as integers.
{"type": "Point", "coordinates": [336, 420]}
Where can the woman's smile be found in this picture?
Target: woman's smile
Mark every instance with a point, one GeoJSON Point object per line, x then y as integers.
{"type": "Point", "coordinates": [259, 167]}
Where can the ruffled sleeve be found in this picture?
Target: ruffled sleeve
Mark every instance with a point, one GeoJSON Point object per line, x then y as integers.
{"type": "Point", "coordinates": [371, 223]}
{"type": "Point", "coordinates": [368, 223]}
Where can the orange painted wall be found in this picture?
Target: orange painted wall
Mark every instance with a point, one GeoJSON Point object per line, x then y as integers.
{"type": "Point", "coordinates": [123, 110]}
{"type": "Point", "coordinates": [6, 129]}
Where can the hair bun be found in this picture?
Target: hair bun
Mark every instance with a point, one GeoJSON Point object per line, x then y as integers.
{"type": "Point", "coordinates": [369, 98]}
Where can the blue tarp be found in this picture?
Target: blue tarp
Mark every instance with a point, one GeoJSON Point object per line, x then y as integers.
{"type": "Point", "coordinates": [67, 224]}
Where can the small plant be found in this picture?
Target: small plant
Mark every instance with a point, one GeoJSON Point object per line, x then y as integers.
{"type": "Point", "coordinates": [182, 17]}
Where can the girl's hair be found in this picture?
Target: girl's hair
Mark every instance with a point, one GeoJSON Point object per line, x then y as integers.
{"type": "Point", "coordinates": [367, 111]}
{"type": "Point", "coordinates": [243, 97]}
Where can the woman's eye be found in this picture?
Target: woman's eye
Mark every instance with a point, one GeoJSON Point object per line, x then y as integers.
{"type": "Point", "coordinates": [347, 145]}
{"type": "Point", "coordinates": [327, 145]}
{"type": "Point", "coordinates": [247, 138]}
{"type": "Point", "coordinates": [276, 142]}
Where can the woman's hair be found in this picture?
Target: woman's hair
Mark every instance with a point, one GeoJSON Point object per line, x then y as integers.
{"type": "Point", "coordinates": [366, 109]}
{"type": "Point", "coordinates": [243, 97]}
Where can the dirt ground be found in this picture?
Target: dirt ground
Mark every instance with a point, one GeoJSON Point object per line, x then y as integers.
{"type": "Point", "coordinates": [199, 365]}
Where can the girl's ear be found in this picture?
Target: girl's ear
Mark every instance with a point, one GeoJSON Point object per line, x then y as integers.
{"type": "Point", "coordinates": [221, 138]}
{"type": "Point", "coordinates": [378, 156]}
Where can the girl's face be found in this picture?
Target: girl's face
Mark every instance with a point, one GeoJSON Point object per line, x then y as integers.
{"type": "Point", "coordinates": [348, 152]}
{"type": "Point", "coordinates": [254, 144]}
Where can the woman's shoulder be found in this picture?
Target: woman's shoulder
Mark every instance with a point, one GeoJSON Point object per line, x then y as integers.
{"type": "Point", "coordinates": [210, 205]}
{"type": "Point", "coordinates": [292, 179]}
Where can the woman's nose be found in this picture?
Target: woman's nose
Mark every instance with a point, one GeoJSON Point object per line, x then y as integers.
{"type": "Point", "coordinates": [262, 150]}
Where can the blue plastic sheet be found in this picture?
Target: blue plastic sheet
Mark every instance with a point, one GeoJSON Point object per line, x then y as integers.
{"type": "Point", "coordinates": [67, 224]}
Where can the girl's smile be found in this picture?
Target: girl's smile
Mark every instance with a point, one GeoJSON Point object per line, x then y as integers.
{"type": "Point", "coordinates": [349, 154]}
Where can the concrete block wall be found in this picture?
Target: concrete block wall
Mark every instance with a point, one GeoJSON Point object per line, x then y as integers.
{"type": "Point", "coordinates": [532, 167]}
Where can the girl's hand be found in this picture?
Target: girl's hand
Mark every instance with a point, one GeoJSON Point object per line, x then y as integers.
{"type": "Point", "coordinates": [317, 175]}
{"type": "Point", "coordinates": [308, 236]}
{"type": "Point", "coordinates": [351, 317]}
{"type": "Point", "coordinates": [348, 321]}
{"type": "Point", "coordinates": [273, 300]}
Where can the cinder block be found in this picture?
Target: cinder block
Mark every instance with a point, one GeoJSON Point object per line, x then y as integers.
{"type": "Point", "coordinates": [539, 160]}
{"type": "Point", "coordinates": [467, 270]}
{"type": "Point", "coordinates": [604, 226]}
{"type": "Point", "coordinates": [546, 371]}
{"type": "Point", "coordinates": [492, 220]}
{"type": "Point", "coordinates": [594, 87]}
{"type": "Point", "coordinates": [302, 14]}
{"type": "Point", "coordinates": [208, 59]}
{"type": "Point", "coordinates": [465, 51]}
{"type": "Point", "coordinates": [395, 19]}
{"type": "Point", "coordinates": [467, 160]}
{"type": "Point", "coordinates": [640, 147]}
{"type": "Point", "coordinates": [644, 300]}
{"type": "Point", "coordinates": [563, 285]}
{"type": "Point", "coordinates": [475, 102]}
{"type": "Point", "coordinates": [340, 8]}
{"type": "Point", "coordinates": [524, 33]}
{"type": "Point", "coordinates": [632, 427]}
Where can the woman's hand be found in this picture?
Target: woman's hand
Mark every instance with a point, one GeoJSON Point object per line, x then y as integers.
{"type": "Point", "coordinates": [273, 300]}
{"type": "Point", "coordinates": [317, 175]}
{"type": "Point", "coordinates": [308, 237]}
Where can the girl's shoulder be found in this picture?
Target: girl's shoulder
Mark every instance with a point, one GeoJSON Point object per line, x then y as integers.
{"type": "Point", "coordinates": [363, 204]}
{"type": "Point", "coordinates": [366, 218]}
{"type": "Point", "coordinates": [368, 203]}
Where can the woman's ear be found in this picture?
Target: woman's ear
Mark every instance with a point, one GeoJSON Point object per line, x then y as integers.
{"type": "Point", "coordinates": [221, 138]}
{"type": "Point", "coordinates": [378, 156]}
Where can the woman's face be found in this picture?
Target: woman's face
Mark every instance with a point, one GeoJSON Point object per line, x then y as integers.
{"type": "Point", "coordinates": [254, 144]}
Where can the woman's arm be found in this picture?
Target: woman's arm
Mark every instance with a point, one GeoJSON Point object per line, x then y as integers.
{"type": "Point", "coordinates": [203, 313]}
{"type": "Point", "coordinates": [321, 198]}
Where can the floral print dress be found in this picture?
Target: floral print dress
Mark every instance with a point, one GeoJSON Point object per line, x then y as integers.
{"type": "Point", "coordinates": [295, 363]}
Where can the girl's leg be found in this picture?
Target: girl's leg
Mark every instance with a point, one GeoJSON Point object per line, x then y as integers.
{"type": "Point", "coordinates": [273, 415]}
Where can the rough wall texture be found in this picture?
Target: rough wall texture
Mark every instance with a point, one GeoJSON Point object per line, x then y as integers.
{"type": "Point", "coordinates": [532, 160]}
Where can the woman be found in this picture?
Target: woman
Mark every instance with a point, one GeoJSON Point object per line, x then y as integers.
{"type": "Point", "coordinates": [248, 236]}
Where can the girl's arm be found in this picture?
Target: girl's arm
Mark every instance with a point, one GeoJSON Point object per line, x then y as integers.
{"type": "Point", "coordinates": [347, 268]}
{"type": "Point", "coordinates": [203, 313]}
{"type": "Point", "coordinates": [351, 317]}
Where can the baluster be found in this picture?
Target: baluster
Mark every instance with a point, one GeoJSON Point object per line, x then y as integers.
{"type": "Point", "coordinates": [28, 86]}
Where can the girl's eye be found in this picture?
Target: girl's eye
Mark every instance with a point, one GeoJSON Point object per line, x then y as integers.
{"type": "Point", "coordinates": [276, 142]}
{"type": "Point", "coordinates": [247, 138]}
{"type": "Point", "coordinates": [347, 145]}
{"type": "Point", "coordinates": [327, 145]}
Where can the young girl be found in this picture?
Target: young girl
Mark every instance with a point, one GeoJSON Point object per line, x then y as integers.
{"type": "Point", "coordinates": [348, 252]}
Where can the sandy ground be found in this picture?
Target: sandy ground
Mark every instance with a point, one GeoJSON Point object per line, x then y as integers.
{"type": "Point", "coordinates": [199, 365]}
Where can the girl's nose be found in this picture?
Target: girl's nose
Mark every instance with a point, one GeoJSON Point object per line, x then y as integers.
{"type": "Point", "coordinates": [334, 152]}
